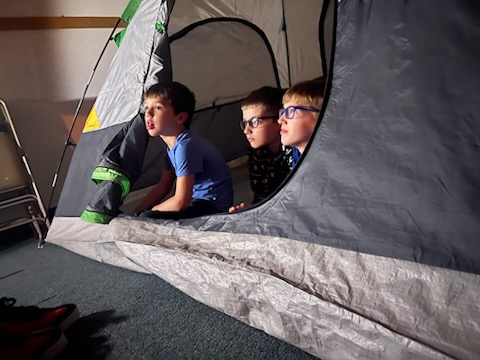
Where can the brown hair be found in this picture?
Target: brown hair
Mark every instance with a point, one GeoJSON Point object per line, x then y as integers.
{"type": "Point", "coordinates": [178, 95]}
{"type": "Point", "coordinates": [268, 97]}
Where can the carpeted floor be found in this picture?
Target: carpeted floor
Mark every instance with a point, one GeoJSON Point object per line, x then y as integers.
{"type": "Point", "coordinates": [124, 314]}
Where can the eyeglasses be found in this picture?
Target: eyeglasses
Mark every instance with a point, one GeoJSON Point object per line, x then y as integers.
{"type": "Point", "coordinates": [290, 111]}
{"type": "Point", "coordinates": [254, 121]}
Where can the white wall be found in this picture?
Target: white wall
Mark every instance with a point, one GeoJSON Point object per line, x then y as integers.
{"type": "Point", "coordinates": [43, 74]}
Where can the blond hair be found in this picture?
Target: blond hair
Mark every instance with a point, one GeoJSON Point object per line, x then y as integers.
{"type": "Point", "coordinates": [306, 93]}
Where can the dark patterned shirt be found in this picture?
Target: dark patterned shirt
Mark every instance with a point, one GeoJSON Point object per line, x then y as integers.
{"type": "Point", "coordinates": [267, 170]}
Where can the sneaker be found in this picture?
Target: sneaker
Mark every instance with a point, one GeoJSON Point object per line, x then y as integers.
{"type": "Point", "coordinates": [28, 319]}
{"type": "Point", "coordinates": [44, 345]}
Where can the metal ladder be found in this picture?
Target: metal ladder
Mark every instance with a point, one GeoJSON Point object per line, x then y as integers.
{"type": "Point", "coordinates": [17, 185]}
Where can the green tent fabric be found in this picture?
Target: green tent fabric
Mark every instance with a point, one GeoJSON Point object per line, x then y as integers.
{"type": "Point", "coordinates": [127, 16]}
{"type": "Point", "coordinates": [130, 10]}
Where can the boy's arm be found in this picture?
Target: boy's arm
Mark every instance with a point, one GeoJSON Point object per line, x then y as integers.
{"type": "Point", "coordinates": [183, 195]}
{"type": "Point", "coordinates": [159, 192]}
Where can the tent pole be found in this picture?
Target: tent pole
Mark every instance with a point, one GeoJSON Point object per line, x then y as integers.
{"type": "Point", "coordinates": [284, 28]}
{"type": "Point", "coordinates": [77, 111]}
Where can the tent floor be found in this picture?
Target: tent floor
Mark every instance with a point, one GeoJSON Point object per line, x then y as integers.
{"type": "Point", "coordinates": [125, 314]}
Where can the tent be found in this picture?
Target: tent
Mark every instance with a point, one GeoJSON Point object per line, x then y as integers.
{"type": "Point", "coordinates": [370, 247]}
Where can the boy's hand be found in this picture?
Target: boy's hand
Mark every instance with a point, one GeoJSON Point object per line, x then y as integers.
{"type": "Point", "coordinates": [156, 208]}
{"type": "Point", "coordinates": [238, 207]}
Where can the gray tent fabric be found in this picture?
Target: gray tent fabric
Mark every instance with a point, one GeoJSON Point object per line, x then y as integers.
{"type": "Point", "coordinates": [124, 155]}
{"type": "Point", "coordinates": [127, 149]}
{"type": "Point", "coordinates": [134, 67]}
{"type": "Point", "coordinates": [370, 247]}
{"type": "Point", "coordinates": [388, 175]}
{"type": "Point", "coordinates": [330, 302]}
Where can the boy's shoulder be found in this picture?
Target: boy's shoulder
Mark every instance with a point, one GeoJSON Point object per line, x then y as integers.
{"type": "Point", "coordinates": [183, 137]}
{"type": "Point", "coordinates": [187, 137]}
{"type": "Point", "coordinates": [195, 145]}
{"type": "Point", "coordinates": [263, 158]}
{"type": "Point", "coordinates": [264, 152]}
{"type": "Point", "coordinates": [195, 142]}
{"type": "Point", "coordinates": [186, 140]}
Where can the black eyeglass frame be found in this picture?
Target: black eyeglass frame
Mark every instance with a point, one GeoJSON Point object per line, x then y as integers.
{"type": "Point", "coordinates": [255, 121]}
{"type": "Point", "coordinates": [286, 111]}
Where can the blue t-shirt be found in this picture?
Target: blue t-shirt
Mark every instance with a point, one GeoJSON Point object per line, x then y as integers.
{"type": "Point", "coordinates": [295, 157]}
{"type": "Point", "coordinates": [192, 154]}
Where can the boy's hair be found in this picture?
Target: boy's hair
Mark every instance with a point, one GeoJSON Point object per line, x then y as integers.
{"type": "Point", "coordinates": [268, 97]}
{"type": "Point", "coordinates": [308, 93]}
{"type": "Point", "coordinates": [178, 95]}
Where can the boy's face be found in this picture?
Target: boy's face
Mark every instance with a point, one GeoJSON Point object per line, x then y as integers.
{"type": "Point", "coordinates": [298, 130]}
{"type": "Point", "coordinates": [160, 118]}
{"type": "Point", "coordinates": [267, 133]}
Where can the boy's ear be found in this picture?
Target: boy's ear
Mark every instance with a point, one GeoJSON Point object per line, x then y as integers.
{"type": "Point", "coordinates": [182, 117]}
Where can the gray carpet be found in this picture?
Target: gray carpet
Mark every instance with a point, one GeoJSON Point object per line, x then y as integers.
{"type": "Point", "coordinates": [124, 314]}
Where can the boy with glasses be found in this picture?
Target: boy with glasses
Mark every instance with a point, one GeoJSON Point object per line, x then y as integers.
{"type": "Point", "coordinates": [299, 115]}
{"type": "Point", "coordinates": [267, 158]}
{"type": "Point", "coordinates": [276, 148]}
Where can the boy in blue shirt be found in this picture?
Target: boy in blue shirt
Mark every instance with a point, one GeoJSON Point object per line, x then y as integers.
{"type": "Point", "coordinates": [201, 176]}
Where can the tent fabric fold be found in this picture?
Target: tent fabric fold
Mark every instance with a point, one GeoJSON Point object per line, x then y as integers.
{"type": "Point", "coordinates": [330, 302]}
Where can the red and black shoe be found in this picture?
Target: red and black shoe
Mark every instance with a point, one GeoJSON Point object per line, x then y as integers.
{"type": "Point", "coordinates": [28, 319]}
{"type": "Point", "coordinates": [44, 345]}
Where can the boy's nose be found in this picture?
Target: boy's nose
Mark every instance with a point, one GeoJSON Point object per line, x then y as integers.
{"type": "Point", "coordinates": [247, 130]}
{"type": "Point", "coordinates": [281, 120]}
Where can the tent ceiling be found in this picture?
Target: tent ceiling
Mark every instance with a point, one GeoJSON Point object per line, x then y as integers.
{"type": "Point", "coordinates": [222, 61]}
{"type": "Point", "coordinates": [302, 23]}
